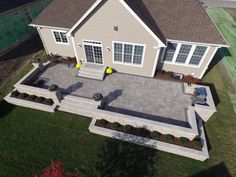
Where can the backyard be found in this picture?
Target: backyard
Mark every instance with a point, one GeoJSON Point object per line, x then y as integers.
{"type": "Point", "coordinates": [30, 140]}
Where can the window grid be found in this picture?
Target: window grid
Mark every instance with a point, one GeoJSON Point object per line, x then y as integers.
{"type": "Point", "coordinates": [60, 37]}
{"type": "Point", "coordinates": [197, 55]}
{"type": "Point", "coordinates": [128, 53]}
{"type": "Point", "coordinates": [183, 53]}
{"type": "Point", "coordinates": [170, 51]}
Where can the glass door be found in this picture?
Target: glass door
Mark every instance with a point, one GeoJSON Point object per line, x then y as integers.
{"type": "Point", "coordinates": [93, 52]}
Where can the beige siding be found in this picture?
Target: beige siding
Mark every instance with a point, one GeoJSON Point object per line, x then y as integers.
{"type": "Point", "coordinates": [53, 47]}
{"type": "Point", "coordinates": [188, 70]}
{"type": "Point", "coordinates": [99, 27]}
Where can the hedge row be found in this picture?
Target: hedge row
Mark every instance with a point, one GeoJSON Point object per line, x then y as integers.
{"type": "Point", "coordinates": [195, 143]}
{"type": "Point", "coordinates": [33, 98]}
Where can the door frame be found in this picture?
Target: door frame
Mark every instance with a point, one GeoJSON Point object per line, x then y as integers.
{"type": "Point", "coordinates": [96, 44]}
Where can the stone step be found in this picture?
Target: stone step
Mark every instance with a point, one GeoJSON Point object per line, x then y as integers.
{"type": "Point", "coordinates": [75, 103]}
{"type": "Point", "coordinates": [93, 70]}
{"type": "Point", "coordinates": [78, 110]}
{"type": "Point", "coordinates": [77, 99]}
{"type": "Point", "coordinates": [91, 76]}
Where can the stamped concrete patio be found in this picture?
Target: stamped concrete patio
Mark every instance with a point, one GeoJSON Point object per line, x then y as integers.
{"type": "Point", "coordinates": [133, 95]}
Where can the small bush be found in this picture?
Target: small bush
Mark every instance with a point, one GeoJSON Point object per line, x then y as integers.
{"type": "Point", "coordinates": [38, 83]}
{"type": "Point", "coordinates": [31, 98]}
{"type": "Point", "coordinates": [115, 126]}
{"type": "Point", "coordinates": [39, 100]}
{"type": "Point", "coordinates": [169, 138]}
{"type": "Point", "coordinates": [156, 135]}
{"type": "Point", "coordinates": [15, 94]}
{"type": "Point", "coordinates": [128, 129]}
{"type": "Point", "coordinates": [102, 123]}
{"type": "Point", "coordinates": [48, 102]}
{"type": "Point", "coordinates": [183, 141]}
{"type": "Point", "coordinates": [53, 87]}
{"type": "Point", "coordinates": [97, 96]}
{"type": "Point", "coordinates": [142, 132]}
{"type": "Point", "coordinates": [197, 144]}
{"type": "Point", "coordinates": [22, 96]}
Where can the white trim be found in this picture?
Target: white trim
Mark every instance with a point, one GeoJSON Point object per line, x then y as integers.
{"type": "Point", "coordinates": [75, 49]}
{"type": "Point", "coordinates": [206, 67]}
{"type": "Point", "coordinates": [96, 45]}
{"type": "Point", "coordinates": [84, 16]}
{"type": "Point", "coordinates": [142, 23]}
{"type": "Point", "coordinates": [44, 45]}
{"type": "Point", "coordinates": [196, 43]}
{"type": "Point", "coordinates": [50, 27]}
{"type": "Point", "coordinates": [156, 61]}
{"type": "Point", "coordinates": [128, 64]}
{"type": "Point", "coordinates": [60, 31]}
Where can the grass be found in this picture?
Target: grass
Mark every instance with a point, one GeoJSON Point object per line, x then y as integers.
{"type": "Point", "coordinates": [225, 20]}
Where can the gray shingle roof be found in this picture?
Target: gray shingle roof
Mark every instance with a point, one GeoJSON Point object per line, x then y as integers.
{"type": "Point", "coordinates": [183, 20]}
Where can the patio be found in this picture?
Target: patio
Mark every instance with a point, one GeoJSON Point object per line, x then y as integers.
{"type": "Point", "coordinates": [148, 98]}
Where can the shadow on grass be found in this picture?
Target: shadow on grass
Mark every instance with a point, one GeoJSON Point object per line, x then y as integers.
{"type": "Point", "coordinates": [213, 92]}
{"type": "Point", "coordinates": [219, 170]}
{"type": "Point", "coordinates": [220, 54]}
{"type": "Point", "coordinates": [119, 158]}
{"type": "Point", "coordinates": [5, 108]}
{"type": "Point", "coordinates": [28, 47]}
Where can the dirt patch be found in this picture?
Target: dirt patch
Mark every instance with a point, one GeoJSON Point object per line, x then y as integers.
{"type": "Point", "coordinates": [19, 57]}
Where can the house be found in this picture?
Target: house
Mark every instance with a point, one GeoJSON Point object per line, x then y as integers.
{"type": "Point", "coordinates": [133, 37]}
{"type": "Point", "coordinates": [15, 16]}
{"type": "Point", "coordinates": [136, 38]}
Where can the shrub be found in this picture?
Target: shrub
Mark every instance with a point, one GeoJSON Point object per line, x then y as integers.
{"type": "Point", "coordinates": [101, 123]}
{"type": "Point", "coordinates": [128, 129]}
{"type": "Point", "coordinates": [53, 87]}
{"type": "Point", "coordinates": [115, 126]}
{"type": "Point", "coordinates": [97, 96]}
{"type": "Point", "coordinates": [48, 102]}
{"type": "Point", "coordinates": [197, 144]}
{"type": "Point", "coordinates": [169, 138]}
{"type": "Point", "coordinates": [15, 94]}
{"type": "Point", "coordinates": [156, 135]}
{"type": "Point", "coordinates": [183, 141]}
{"type": "Point", "coordinates": [39, 100]}
{"type": "Point", "coordinates": [31, 98]}
{"type": "Point", "coordinates": [142, 132]}
{"type": "Point", "coordinates": [39, 83]}
{"type": "Point", "coordinates": [22, 95]}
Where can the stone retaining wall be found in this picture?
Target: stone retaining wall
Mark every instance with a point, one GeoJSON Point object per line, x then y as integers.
{"type": "Point", "coordinates": [171, 148]}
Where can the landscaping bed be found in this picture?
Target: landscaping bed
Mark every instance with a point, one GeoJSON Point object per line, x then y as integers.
{"type": "Point", "coordinates": [32, 98]}
{"type": "Point", "coordinates": [142, 132]}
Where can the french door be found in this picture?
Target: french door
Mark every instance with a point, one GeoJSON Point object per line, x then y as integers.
{"type": "Point", "coordinates": [93, 52]}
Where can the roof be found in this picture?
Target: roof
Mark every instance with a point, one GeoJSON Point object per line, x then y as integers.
{"type": "Point", "coordinates": [182, 20]}
{"type": "Point", "coordinates": [63, 13]}
{"type": "Point", "coordinates": [6, 5]}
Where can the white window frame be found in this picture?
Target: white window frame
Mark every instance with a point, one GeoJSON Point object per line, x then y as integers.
{"type": "Point", "coordinates": [128, 64]}
{"type": "Point", "coordinates": [90, 42]}
{"type": "Point", "coordinates": [60, 31]}
{"type": "Point", "coordinates": [173, 62]}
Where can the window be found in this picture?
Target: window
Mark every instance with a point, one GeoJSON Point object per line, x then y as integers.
{"type": "Point", "coordinates": [170, 51]}
{"type": "Point", "coordinates": [128, 53]}
{"type": "Point", "coordinates": [183, 53]}
{"type": "Point", "coordinates": [197, 55]}
{"type": "Point", "coordinates": [60, 37]}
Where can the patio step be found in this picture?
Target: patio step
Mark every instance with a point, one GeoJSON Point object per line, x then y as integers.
{"type": "Point", "coordinates": [76, 100]}
{"type": "Point", "coordinates": [92, 71]}
{"type": "Point", "coordinates": [78, 109]}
